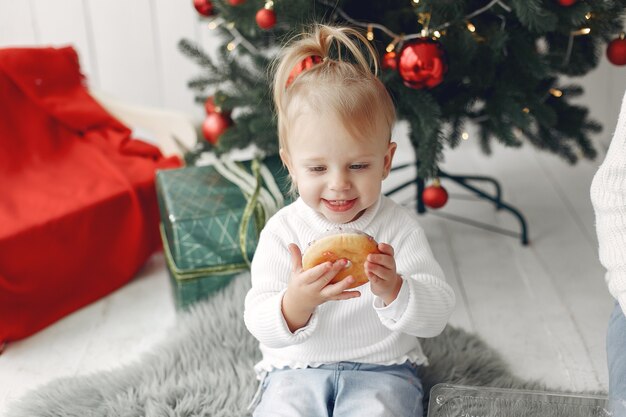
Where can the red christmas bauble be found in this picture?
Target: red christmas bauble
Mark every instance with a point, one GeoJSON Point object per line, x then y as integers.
{"type": "Point", "coordinates": [422, 64]}
{"type": "Point", "coordinates": [266, 18]}
{"type": "Point", "coordinates": [214, 125]}
{"type": "Point", "coordinates": [236, 2]}
{"type": "Point", "coordinates": [435, 196]}
{"type": "Point", "coordinates": [566, 3]}
{"type": "Point", "coordinates": [616, 50]}
{"type": "Point", "coordinates": [204, 7]}
{"type": "Point", "coordinates": [389, 61]}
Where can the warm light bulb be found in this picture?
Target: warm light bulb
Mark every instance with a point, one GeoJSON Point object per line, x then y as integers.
{"type": "Point", "coordinates": [370, 33]}
{"type": "Point", "coordinates": [583, 31]}
{"type": "Point", "coordinates": [465, 136]}
{"type": "Point", "coordinates": [212, 25]}
{"type": "Point", "coordinates": [437, 34]}
{"type": "Point", "coordinates": [392, 45]}
{"type": "Point", "coordinates": [471, 27]}
{"type": "Point", "coordinates": [231, 46]}
{"type": "Point", "coordinates": [526, 110]}
{"type": "Point", "coordinates": [556, 92]}
{"type": "Point", "coordinates": [416, 1]}
{"type": "Point", "coordinates": [588, 15]}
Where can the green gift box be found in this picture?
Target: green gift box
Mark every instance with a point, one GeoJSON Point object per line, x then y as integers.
{"type": "Point", "coordinates": [211, 217]}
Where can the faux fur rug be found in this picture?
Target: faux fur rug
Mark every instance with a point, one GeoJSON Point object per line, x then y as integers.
{"type": "Point", "coordinates": [204, 368]}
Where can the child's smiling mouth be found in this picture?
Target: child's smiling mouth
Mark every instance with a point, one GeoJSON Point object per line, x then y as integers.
{"type": "Point", "coordinates": [339, 205]}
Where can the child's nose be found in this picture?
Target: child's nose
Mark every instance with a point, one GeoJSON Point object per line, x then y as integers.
{"type": "Point", "coordinates": [340, 182]}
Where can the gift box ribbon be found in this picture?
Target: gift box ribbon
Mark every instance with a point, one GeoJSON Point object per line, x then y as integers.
{"type": "Point", "coordinates": [262, 202]}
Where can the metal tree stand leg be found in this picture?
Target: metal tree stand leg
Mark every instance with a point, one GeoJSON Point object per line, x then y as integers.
{"type": "Point", "coordinates": [462, 180]}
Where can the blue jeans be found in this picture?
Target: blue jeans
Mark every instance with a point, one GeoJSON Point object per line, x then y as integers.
{"type": "Point", "coordinates": [342, 389]}
{"type": "Point", "coordinates": [616, 358]}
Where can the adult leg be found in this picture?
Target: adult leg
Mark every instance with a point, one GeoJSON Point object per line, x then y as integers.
{"type": "Point", "coordinates": [378, 391]}
{"type": "Point", "coordinates": [295, 393]}
{"type": "Point", "coordinates": [616, 359]}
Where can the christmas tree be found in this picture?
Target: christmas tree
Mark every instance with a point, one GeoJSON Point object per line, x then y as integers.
{"type": "Point", "coordinates": [447, 63]}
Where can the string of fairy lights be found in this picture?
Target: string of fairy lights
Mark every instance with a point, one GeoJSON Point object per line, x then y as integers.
{"type": "Point", "coordinates": [237, 37]}
{"type": "Point", "coordinates": [439, 31]}
{"type": "Point", "coordinates": [397, 40]}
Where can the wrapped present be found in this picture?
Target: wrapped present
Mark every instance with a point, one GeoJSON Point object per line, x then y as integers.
{"type": "Point", "coordinates": [211, 217]}
{"type": "Point", "coordinates": [78, 211]}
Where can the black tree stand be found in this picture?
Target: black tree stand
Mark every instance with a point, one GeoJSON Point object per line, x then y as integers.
{"type": "Point", "coordinates": [463, 181]}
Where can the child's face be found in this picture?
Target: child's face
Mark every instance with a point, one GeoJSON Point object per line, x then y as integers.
{"type": "Point", "coordinates": [336, 174]}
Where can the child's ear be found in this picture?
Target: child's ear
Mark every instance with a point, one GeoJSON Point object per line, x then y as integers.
{"type": "Point", "coordinates": [391, 150]}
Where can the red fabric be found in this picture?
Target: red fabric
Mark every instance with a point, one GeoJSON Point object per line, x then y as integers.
{"type": "Point", "coordinates": [78, 210]}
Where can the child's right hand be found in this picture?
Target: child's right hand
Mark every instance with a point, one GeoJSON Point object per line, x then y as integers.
{"type": "Point", "coordinates": [308, 289]}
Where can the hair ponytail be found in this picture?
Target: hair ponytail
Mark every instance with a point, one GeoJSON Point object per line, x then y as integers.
{"type": "Point", "coordinates": [330, 68]}
{"type": "Point", "coordinates": [320, 44]}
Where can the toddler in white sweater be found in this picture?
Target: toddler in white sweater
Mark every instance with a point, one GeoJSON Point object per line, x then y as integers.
{"type": "Point", "coordinates": [329, 350]}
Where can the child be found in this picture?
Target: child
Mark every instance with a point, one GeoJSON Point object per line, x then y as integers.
{"type": "Point", "coordinates": [329, 351]}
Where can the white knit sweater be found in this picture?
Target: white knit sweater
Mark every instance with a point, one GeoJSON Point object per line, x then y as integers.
{"type": "Point", "coordinates": [361, 329]}
{"type": "Point", "coordinates": [608, 195]}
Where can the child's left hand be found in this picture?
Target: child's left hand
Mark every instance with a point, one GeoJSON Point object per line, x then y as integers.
{"type": "Point", "coordinates": [381, 271]}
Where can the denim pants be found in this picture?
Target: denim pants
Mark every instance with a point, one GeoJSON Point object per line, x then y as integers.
{"type": "Point", "coordinates": [343, 389]}
{"type": "Point", "coordinates": [616, 358]}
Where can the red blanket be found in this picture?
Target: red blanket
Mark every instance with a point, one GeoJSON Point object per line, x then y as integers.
{"type": "Point", "coordinates": [78, 210]}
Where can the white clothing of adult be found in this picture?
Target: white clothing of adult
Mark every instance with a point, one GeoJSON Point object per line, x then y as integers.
{"type": "Point", "coordinates": [608, 195]}
{"type": "Point", "coordinates": [361, 329]}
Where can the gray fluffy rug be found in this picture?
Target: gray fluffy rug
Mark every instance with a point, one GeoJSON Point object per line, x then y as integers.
{"type": "Point", "coordinates": [205, 367]}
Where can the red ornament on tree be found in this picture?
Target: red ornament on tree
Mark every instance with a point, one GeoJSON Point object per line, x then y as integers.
{"type": "Point", "coordinates": [390, 61]}
{"type": "Point", "coordinates": [204, 7]}
{"type": "Point", "coordinates": [214, 125]}
{"type": "Point", "coordinates": [566, 3]}
{"type": "Point", "coordinates": [421, 63]}
{"type": "Point", "coordinates": [266, 18]}
{"type": "Point", "coordinates": [435, 196]}
{"type": "Point", "coordinates": [616, 51]}
{"type": "Point", "coordinates": [236, 2]}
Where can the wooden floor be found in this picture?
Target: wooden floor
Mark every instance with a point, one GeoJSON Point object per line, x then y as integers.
{"type": "Point", "coordinates": [543, 306]}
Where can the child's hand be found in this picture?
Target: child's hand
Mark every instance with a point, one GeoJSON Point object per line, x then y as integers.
{"type": "Point", "coordinates": [308, 289]}
{"type": "Point", "coordinates": [381, 271]}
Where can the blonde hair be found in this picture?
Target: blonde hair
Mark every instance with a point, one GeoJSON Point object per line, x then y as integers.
{"type": "Point", "coordinates": [344, 85]}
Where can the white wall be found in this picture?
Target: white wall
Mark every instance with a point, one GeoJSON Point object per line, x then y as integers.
{"type": "Point", "coordinates": [128, 49]}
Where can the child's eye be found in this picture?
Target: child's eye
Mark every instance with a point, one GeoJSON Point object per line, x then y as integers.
{"type": "Point", "coordinates": [316, 169]}
{"type": "Point", "coordinates": [358, 166]}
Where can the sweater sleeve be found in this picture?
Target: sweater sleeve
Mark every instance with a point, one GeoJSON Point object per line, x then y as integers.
{"type": "Point", "coordinates": [430, 300]}
{"type": "Point", "coordinates": [270, 272]}
{"type": "Point", "coordinates": [608, 195]}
